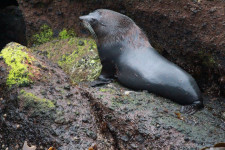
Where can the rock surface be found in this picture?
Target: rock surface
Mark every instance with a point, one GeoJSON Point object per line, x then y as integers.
{"type": "Point", "coordinates": [50, 111]}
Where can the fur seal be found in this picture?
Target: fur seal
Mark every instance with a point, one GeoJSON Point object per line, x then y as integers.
{"type": "Point", "coordinates": [127, 55]}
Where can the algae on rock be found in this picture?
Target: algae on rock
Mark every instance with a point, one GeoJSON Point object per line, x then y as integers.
{"type": "Point", "coordinates": [45, 35]}
{"type": "Point", "coordinates": [64, 34]}
{"type": "Point", "coordinates": [36, 104]}
{"type": "Point", "coordinates": [78, 57]}
{"type": "Point", "coordinates": [16, 56]}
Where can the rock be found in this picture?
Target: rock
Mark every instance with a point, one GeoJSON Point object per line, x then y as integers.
{"type": "Point", "coordinates": [2, 69]}
{"type": "Point", "coordinates": [81, 43]}
{"type": "Point", "coordinates": [68, 95]}
{"type": "Point", "coordinates": [134, 146]}
{"type": "Point", "coordinates": [91, 134]}
{"type": "Point", "coordinates": [124, 138]}
{"type": "Point", "coordinates": [157, 136]}
{"type": "Point", "coordinates": [140, 138]}
{"type": "Point", "coordinates": [223, 115]}
{"type": "Point", "coordinates": [186, 139]}
{"type": "Point", "coordinates": [61, 120]}
{"type": "Point", "coordinates": [67, 87]}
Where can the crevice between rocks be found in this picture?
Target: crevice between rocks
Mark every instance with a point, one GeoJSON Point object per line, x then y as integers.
{"type": "Point", "coordinates": [98, 110]}
{"type": "Point", "coordinates": [124, 133]}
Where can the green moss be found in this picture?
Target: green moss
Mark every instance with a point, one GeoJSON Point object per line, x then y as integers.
{"type": "Point", "coordinates": [107, 90]}
{"type": "Point", "coordinates": [78, 57]}
{"type": "Point", "coordinates": [83, 63]}
{"type": "Point", "coordinates": [34, 103]}
{"type": "Point", "coordinates": [64, 34]}
{"type": "Point", "coordinates": [17, 59]}
{"type": "Point", "coordinates": [45, 35]}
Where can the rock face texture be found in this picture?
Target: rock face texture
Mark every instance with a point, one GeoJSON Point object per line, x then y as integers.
{"type": "Point", "coordinates": [191, 33]}
{"type": "Point", "coordinates": [49, 111]}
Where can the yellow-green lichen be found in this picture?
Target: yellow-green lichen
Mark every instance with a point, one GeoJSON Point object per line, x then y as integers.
{"type": "Point", "coordinates": [17, 59]}
{"type": "Point", "coordinates": [35, 103]}
{"type": "Point", "coordinates": [45, 35]}
{"type": "Point", "coordinates": [107, 90]}
{"type": "Point", "coordinates": [64, 34]}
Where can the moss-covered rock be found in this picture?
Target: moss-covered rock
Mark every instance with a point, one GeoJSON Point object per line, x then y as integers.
{"type": "Point", "coordinates": [66, 34]}
{"type": "Point", "coordinates": [78, 57]}
{"type": "Point", "coordinates": [19, 60]}
{"type": "Point", "coordinates": [35, 104]}
{"type": "Point", "coordinates": [45, 35]}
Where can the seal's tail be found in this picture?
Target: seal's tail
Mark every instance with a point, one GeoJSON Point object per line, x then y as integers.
{"type": "Point", "coordinates": [193, 108]}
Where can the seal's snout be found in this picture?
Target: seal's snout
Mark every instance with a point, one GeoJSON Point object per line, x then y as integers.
{"type": "Point", "coordinates": [87, 18]}
{"type": "Point", "coordinates": [90, 17]}
{"type": "Point", "coordinates": [83, 17]}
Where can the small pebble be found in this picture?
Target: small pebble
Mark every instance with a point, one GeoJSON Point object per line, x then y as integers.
{"type": "Point", "coordinates": [124, 138]}
{"type": "Point", "coordinates": [81, 43]}
{"type": "Point", "coordinates": [67, 87]}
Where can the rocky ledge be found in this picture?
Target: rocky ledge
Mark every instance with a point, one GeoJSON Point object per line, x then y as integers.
{"type": "Point", "coordinates": [44, 106]}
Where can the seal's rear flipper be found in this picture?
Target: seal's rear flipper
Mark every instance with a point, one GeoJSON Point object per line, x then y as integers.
{"type": "Point", "coordinates": [193, 108]}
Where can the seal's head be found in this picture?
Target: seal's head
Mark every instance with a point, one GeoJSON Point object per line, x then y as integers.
{"type": "Point", "coordinates": [108, 26]}
{"type": "Point", "coordinates": [103, 22]}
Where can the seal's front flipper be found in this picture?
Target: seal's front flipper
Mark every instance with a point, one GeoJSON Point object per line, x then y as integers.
{"type": "Point", "coordinates": [101, 81]}
{"type": "Point", "coordinates": [193, 108]}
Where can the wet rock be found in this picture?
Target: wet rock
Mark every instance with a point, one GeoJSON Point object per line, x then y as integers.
{"type": "Point", "coordinates": [13, 97]}
{"type": "Point", "coordinates": [81, 43]}
{"type": "Point", "coordinates": [76, 139]}
{"type": "Point", "coordinates": [157, 136]}
{"type": "Point", "coordinates": [44, 92]}
{"type": "Point", "coordinates": [67, 87]}
{"type": "Point", "coordinates": [140, 138]}
{"type": "Point", "coordinates": [75, 128]}
{"type": "Point", "coordinates": [58, 81]}
{"type": "Point", "coordinates": [142, 129]}
{"type": "Point", "coordinates": [186, 139]}
{"type": "Point", "coordinates": [36, 63]}
{"type": "Point", "coordinates": [134, 146]}
{"type": "Point", "coordinates": [68, 95]}
{"type": "Point", "coordinates": [87, 119]}
{"type": "Point", "coordinates": [2, 69]}
{"type": "Point", "coordinates": [59, 13]}
{"type": "Point", "coordinates": [91, 134]}
{"type": "Point", "coordinates": [223, 115]}
{"type": "Point", "coordinates": [124, 138]}
{"type": "Point", "coordinates": [61, 120]}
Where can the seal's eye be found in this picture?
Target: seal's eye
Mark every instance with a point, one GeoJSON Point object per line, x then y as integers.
{"type": "Point", "coordinates": [93, 21]}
